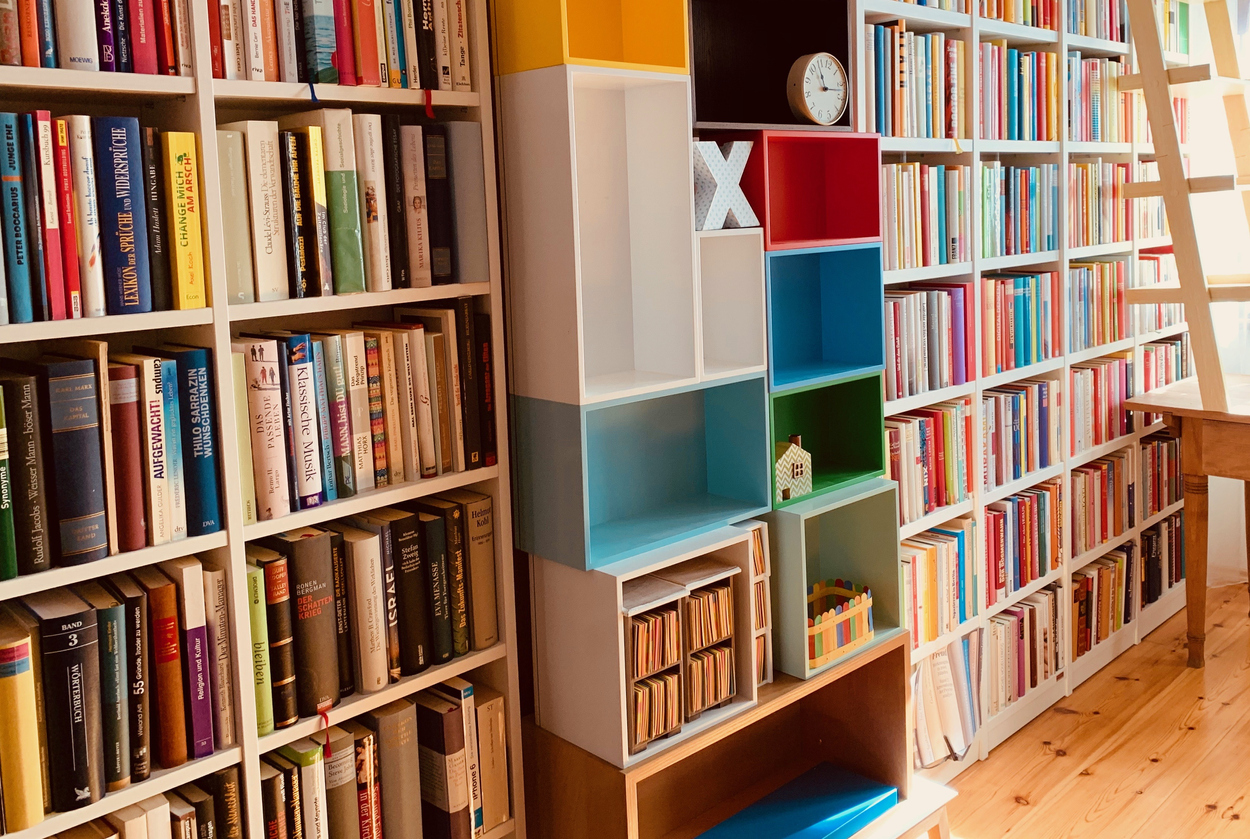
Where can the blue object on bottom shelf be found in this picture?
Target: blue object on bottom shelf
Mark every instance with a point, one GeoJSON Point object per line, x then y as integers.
{"type": "Point", "coordinates": [826, 802]}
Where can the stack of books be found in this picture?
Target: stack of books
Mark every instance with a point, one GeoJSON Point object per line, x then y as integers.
{"type": "Point", "coordinates": [1019, 208]}
{"type": "Point", "coordinates": [946, 687]}
{"type": "Point", "coordinates": [1021, 320]}
{"type": "Point", "coordinates": [915, 84]}
{"type": "Point", "coordinates": [1152, 269]}
{"type": "Point", "coordinates": [1041, 13]}
{"type": "Point", "coordinates": [89, 206]}
{"type": "Point", "coordinates": [332, 414]}
{"type": "Point", "coordinates": [128, 672]}
{"type": "Point", "coordinates": [1160, 473]}
{"type": "Point", "coordinates": [1102, 600]}
{"type": "Point", "coordinates": [930, 457]}
{"type": "Point", "coordinates": [369, 599]}
{"type": "Point", "coordinates": [1105, 19]}
{"type": "Point", "coordinates": [1102, 501]}
{"type": "Point", "coordinates": [1097, 111]}
{"type": "Point", "coordinates": [940, 579]}
{"type": "Point", "coordinates": [1097, 313]}
{"type": "Point", "coordinates": [1098, 391]}
{"type": "Point", "coordinates": [1099, 212]}
{"type": "Point", "coordinates": [1163, 362]}
{"type": "Point", "coordinates": [929, 338]}
{"type": "Point", "coordinates": [1021, 430]}
{"type": "Point", "coordinates": [1025, 647]}
{"type": "Point", "coordinates": [1023, 533]}
{"type": "Point", "coordinates": [1163, 557]}
{"type": "Point", "coordinates": [1019, 93]}
{"type": "Point", "coordinates": [367, 204]}
{"type": "Point", "coordinates": [927, 216]}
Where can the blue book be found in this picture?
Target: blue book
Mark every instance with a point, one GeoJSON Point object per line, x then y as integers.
{"type": "Point", "coordinates": [47, 33]}
{"type": "Point", "coordinates": [883, 121]}
{"type": "Point", "coordinates": [943, 245]}
{"type": "Point", "coordinates": [123, 214]}
{"type": "Point", "coordinates": [125, 57]}
{"type": "Point", "coordinates": [173, 449]}
{"type": "Point", "coordinates": [963, 582]}
{"type": "Point", "coordinates": [404, 81]}
{"type": "Point", "coordinates": [825, 802]}
{"type": "Point", "coordinates": [1017, 471]}
{"type": "Point", "coordinates": [329, 485]}
{"type": "Point", "coordinates": [1017, 307]}
{"type": "Point", "coordinates": [1043, 412]}
{"type": "Point", "coordinates": [16, 246]}
{"type": "Point", "coordinates": [1013, 94]}
{"type": "Point", "coordinates": [199, 445]}
{"type": "Point", "coordinates": [29, 151]}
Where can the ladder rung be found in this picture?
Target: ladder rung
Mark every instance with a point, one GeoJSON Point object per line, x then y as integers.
{"type": "Point", "coordinates": [1177, 75]}
{"type": "Point", "coordinates": [1239, 293]}
{"type": "Point", "coordinates": [1154, 294]}
{"type": "Point", "coordinates": [1207, 183]}
{"type": "Point", "coordinates": [1228, 279]}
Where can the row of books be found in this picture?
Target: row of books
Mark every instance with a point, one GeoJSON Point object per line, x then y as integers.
{"type": "Point", "coordinates": [1172, 19]}
{"type": "Point", "coordinates": [1152, 219]}
{"type": "Point", "coordinates": [111, 452]}
{"type": "Point", "coordinates": [356, 605]}
{"type": "Point", "coordinates": [1097, 111]}
{"type": "Point", "coordinates": [1040, 13]}
{"type": "Point", "coordinates": [946, 687]}
{"type": "Point", "coordinates": [655, 707]}
{"type": "Point", "coordinates": [1098, 389]}
{"type": "Point", "coordinates": [433, 765]}
{"type": "Point", "coordinates": [1105, 19]}
{"type": "Point", "coordinates": [916, 84]}
{"type": "Point", "coordinates": [655, 641]}
{"type": "Point", "coordinates": [929, 338]}
{"type": "Point", "coordinates": [1019, 208]}
{"type": "Point", "coordinates": [332, 414]}
{"type": "Point", "coordinates": [1023, 537]}
{"type": "Point", "coordinates": [108, 678]}
{"type": "Point", "coordinates": [940, 579]}
{"type": "Point", "coordinates": [1097, 313]}
{"type": "Point", "coordinates": [1025, 647]}
{"type": "Point", "coordinates": [709, 678]}
{"type": "Point", "coordinates": [1021, 321]}
{"type": "Point", "coordinates": [80, 240]}
{"type": "Point", "coordinates": [1102, 598]}
{"type": "Point", "coordinates": [1098, 211]}
{"type": "Point", "coordinates": [368, 204]}
{"type": "Point", "coordinates": [1021, 430]}
{"type": "Point", "coordinates": [1161, 484]}
{"type": "Point", "coordinates": [1152, 269]}
{"type": "Point", "coordinates": [1180, 118]}
{"type": "Point", "coordinates": [926, 213]}
{"type": "Point", "coordinates": [1019, 93]}
{"type": "Point", "coordinates": [1102, 501]}
{"type": "Point", "coordinates": [1163, 557]}
{"type": "Point", "coordinates": [961, 6]}
{"type": "Point", "coordinates": [1163, 362]}
{"type": "Point", "coordinates": [209, 807]}
{"type": "Point", "coordinates": [398, 44]}
{"type": "Point", "coordinates": [930, 457]}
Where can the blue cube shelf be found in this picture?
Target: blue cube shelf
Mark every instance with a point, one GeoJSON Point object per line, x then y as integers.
{"type": "Point", "coordinates": [600, 483]}
{"type": "Point", "coordinates": [825, 314]}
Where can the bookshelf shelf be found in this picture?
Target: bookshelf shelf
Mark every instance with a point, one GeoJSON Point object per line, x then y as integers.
{"type": "Point", "coordinates": [1029, 371]}
{"type": "Point", "coordinates": [1080, 561]}
{"type": "Point", "coordinates": [1035, 477]}
{"type": "Point", "coordinates": [359, 703]}
{"type": "Point", "coordinates": [368, 500]}
{"type": "Point", "coordinates": [915, 14]}
{"type": "Point", "coordinates": [1154, 614]}
{"type": "Point", "coordinates": [1093, 251]}
{"type": "Point", "coordinates": [1155, 242]}
{"type": "Point", "coordinates": [923, 145]}
{"type": "Point", "coordinates": [1101, 450]}
{"type": "Point", "coordinates": [1025, 591]}
{"type": "Point", "coordinates": [939, 516]}
{"type": "Point", "coordinates": [927, 272]}
{"type": "Point", "coordinates": [1015, 33]}
{"type": "Point", "coordinates": [732, 306]}
{"type": "Point", "coordinates": [248, 93]}
{"type": "Point", "coordinates": [1018, 146]}
{"type": "Point", "coordinates": [20, 333]}
{"type": "Point", "coordinates": [341, 302]}
{"type": "Point", "coordinates": [69, 575]}
{"type": "Point", "coordinates": [825, 315]}
{"type": "Point", "coordinates": [81, 84]}
{"type": "Point", "coordinates": [1151, 521]}
{"type": "Point", "coordinates": [1011, 719]}
{"type": "Point", "coordinates": [894, 407]}
{"type": "Point", "coordinates": [1175, 329]}
{"type": "Point", "coordinates": [1091, 47]}
{"type": "Point", "coordinates": [1087, 148]}
{"type": "Point", "coordinates": [1099, 351]}
{"type": "Point", "coordinates": [1018, 260]}
{"type": "Point", "coordinates": [1103, 653]}
{"type": "Point", "coordinates": [944, 640]}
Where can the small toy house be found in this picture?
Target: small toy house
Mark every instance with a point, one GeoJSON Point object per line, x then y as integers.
{"type": "Point", "coordinates": [794, 469]}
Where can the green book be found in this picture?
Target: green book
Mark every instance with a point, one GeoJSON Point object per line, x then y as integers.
{"type": "Point", "coordinates": [340, 421]}
{"type": "Point", "coordinates": [114, 683]}
{"type": "Point", "coordinates": [8, 537]}
{"type": "Point", "coordinates": [259, 620]}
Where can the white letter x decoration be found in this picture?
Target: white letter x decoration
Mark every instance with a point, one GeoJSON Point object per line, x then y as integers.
{"type": "Point", "coordinates": [718, 198]}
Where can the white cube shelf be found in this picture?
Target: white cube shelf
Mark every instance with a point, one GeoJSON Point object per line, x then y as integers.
{"type": "Point", "coordinates": [580, 624]}
{"type": "Point", "coordinates": [732, 308]}
{"type": "Point", "coordinates": [600, 232]}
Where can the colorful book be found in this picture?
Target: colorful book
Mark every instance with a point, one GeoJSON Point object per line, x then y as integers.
{"type": "Point", "coordinates": [160, 247]}
{"type": "Point", "coordinates": [188, 577]}
{"type": "Point", "coordinates": [268, 239]}
{"type": "Point", "coordinates": [22, 794]}
{"type": "Point", "coordinates": [259, 623]}
{"type": "Point", "coordinates": [182, 184]}
{"type": "Point", "coordinates": [124, 241]}
{"type": "Point", "coordinates": [138, 675]}
{"type": "Point", "coordinates": [16, 248]}
{"type": "Point", "coordinates": [87, 218]}
{"type": "Point", "coordinates": [114, 682]}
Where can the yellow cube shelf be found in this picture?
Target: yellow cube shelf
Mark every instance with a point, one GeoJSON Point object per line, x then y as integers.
{"type": "Point", "coordinates": [630, 34]}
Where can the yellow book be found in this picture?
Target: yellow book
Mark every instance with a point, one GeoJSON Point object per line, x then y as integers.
{"type": "Point", "coordinates": [19, 735]}
{"type": "Point", "coordinates": [186, 217]}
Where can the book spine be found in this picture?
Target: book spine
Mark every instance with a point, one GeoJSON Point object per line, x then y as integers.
{"type": "Point", "coordinates": [368, 615]}
{"type": "Point", "coordinates": [343, 202]}
{"type": "Point", "coordinates": [106, 34]}
{"type": "Point", "coordinates": [288, 47]}
{"type": "Point", "coordinates": [303, 394]}
{"type": "Point", "coordinates": [281, 650]}
{"type": "Point", "coordinates": [139, 684]}
{"type": "Point", "coordinates": [377, 420]}
{"type": "Point", "coordinates": [459, 45]}
{"type": "Point", "coordinates": [264, 397]}
{"type": "Point", "coordinates": [356, 365]}
{"type": "Point", "coordinates": [340, 416]}
{"type": "Point", "coordinates": [406, 394]}
{"type": "Point", "coordinates": [408, 23]}
{"type": "Point", "coordinates": [434, 543]}
{"type": "Point", "coordinates": [394, 44]}
{"type": "Point", "coordinates": [311, 568]}
{"type": "Point", "coordinates": [397, 229]}
{"type": "Point", "coordinates": [199, 445]}
{"type": "Point", "coordinates": [366, 43]}
{"type": "Point", "coordinates": [30, 506]}
{"type": "Point", "coordinates": [86, 215]}
{"type": "Point", "coordinates": [441, 404]}
{"type": "Point", "coordinates": [217, 619]}
{"type": "Point", "coordinates": [269, 41]}
{"type": "Point", "coordinates": [122, 213]}
{"type": "Point", "coordinates": [258, 621]}
{"type": "Point", "coordinates": [233, 42]}
{"type": "Point", "coordinates": [171, 697]}
{"type": "Point", "coordinates": [265, 189]}
{"type": "Point", "coordinates": [485, 365]}
{"type": "Point", "coordinates": [325, 431]}
{"type": "Point", "coordinates": [367, 130]}
{"type": "Point", "coordinates": [457, 580]}
{"type": "Point", "coordinates": [160, 264]}
{"type": "Point", "coordinates": [320, 41]}
{"type": "Point", "coordinates": [73, 420]}
{"type": "Point", "coordinates": [315, 195]}
{"type": "Point", "coordinates": [391, 411]}
{"type": "Point", "coordinates": [69, 227]}
{"type": "Point", "coordinates": [143, 35]}
{"type": "Point", "coordinates": [224, 786]}
{"type": "Point", "coordinates": [440, 739]}
{"type": "Point", "coordinates": [182, 183]}
{"type": "Point", "coordinates": [71, 679]}
{"type": "Point", "coordinates": [467, 369]}
{"type": "Point", "coordinates": [442, 45]}
{"type": "Point", "coordinates": [127, 457]}
{"type": "Point", "coordinates": [393, 650]}
{"type": "Point", "coordinates": [242, 429]}
{"type": "Point", "coordinates": [344, 43]}
{"type": "Point", "coordinates": [427, 445]}
{"type": "Point", "coordinates": [273, 805]}
{"type": "Point", "coordinates": [480, 535]}
{"type": "Point", "coordinates": [8, 534]}
{"type": "Point", "coordinates": [156, 461]}
{"type": "Point", "coordinates": [16, 251]}
{"type": "Point", "coordinates": [19, 738]}
{"type": "Point", "coordinates": [182, 36]}
{"type": "Point", "coordinates": [412, 161]}
{"type": "Point", "coordinates": [254, 40]}
{"type": "Point", "coordinates": [28, 31]}
{"type": "Point", "coordinates": [412, 593]}
{"type": "Point", "coordinates": [438, 203]}
{"type": "Point", "coordinates": [297, 214]}
{"type": "Point", "coordinates": [342, 617]}
{"type": "Point", "coordinates": [10, 34]}
{"type": "Point", "coordinates": [34, 242]}
{"type": "Point", "coordinates": [166, 49]}
{"type": "Point", "coordinates": [236, 221]}
{"type": "Point", "coordinates": [343, 818]}
{"type": "Point", "coordinates": [74, 33]}
{"type": "Point", "coordinates": [368, 791]}
{"type": "Point", "coordinates": [216, 61]}
{"type": "Point", "coordinates": [114, 705]}
{"type": "Point", "coordinates": [379, 33]}
{"type": "Point", "coordinates": [171, 415]}
{"type": "Point", "coordinates": [426, 44]}
{"type": "Point", "coordinates": [288, 424]}
{"type": "Point", "coordinates": [54, 271]}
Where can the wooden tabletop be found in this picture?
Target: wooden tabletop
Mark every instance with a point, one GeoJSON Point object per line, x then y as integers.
{"type": "Point", "coordinates": [1183, 399]}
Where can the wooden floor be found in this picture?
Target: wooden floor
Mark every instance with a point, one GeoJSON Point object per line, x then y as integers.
{"type": "Point", "coordinates": [1146, 748]}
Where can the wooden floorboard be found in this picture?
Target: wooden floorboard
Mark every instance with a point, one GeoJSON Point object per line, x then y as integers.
{"type": "Point", "coordinates": [1146, 748]}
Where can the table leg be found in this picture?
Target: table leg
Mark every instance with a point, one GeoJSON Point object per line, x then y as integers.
{"type": "Point", "coordinates": [1247, 487]}
{"type": "Point", "coordinates": [1196, 566]}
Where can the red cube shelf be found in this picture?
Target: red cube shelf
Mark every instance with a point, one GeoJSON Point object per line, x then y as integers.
{"type": "Point", "coordinates": [812, 189]}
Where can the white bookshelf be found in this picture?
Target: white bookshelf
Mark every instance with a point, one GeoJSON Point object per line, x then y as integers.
{"type": "Point", "coordinates": [199, 103]}
{"type": "Point", "coordinates": [972, 151]}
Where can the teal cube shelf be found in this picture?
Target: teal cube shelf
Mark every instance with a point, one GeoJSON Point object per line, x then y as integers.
{"type": "Point", "coordinates": [850, 534]}
{"type": "Point", "coordinates": [600, 483]}
{"type": "Point", "coordinates": [842, 426]}
{"type": "Point", "coordinates": [825, 314]}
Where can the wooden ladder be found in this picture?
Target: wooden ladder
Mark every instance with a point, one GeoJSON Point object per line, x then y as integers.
{"type": "Point", "coordinates": [1195, 289]}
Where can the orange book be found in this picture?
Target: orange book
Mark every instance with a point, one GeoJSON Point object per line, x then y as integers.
{"type": "Point", "coordinates": [364, 26]}
{"type": "Point", "coordinates": [269, 40]}
{"type": "Point", "coordinates": [28, 26]}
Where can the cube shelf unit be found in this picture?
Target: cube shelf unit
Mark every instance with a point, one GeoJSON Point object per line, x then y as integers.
{"type": "Point", "coordinates": [732, 305]}
{"type": "Point", "coordinates": [971, 152]}
{"type": "Point", "coordinates": [199, 104]}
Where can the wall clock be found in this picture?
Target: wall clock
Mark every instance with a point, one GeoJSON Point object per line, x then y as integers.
{"type": "Point", "coordinates": [818, 88]}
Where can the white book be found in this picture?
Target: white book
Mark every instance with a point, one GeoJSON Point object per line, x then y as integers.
{"type": "Point", "coordinates": [155, 461]}
{"type": "Point", "coordinates": [130, 822]}
{"type": "Point", "coordinates": [182, 36]}
{"type": "Point", "coordinates": [242, 429]}
{"type": "Point", "coordinates": [157, 809]}
{"type": "Point", "coordinates": [217, 617]}
{"type": "Point", "coordinates": [442, 44]}
{"type": "Point", "coordinates": [173, 446]}
{"type": "Point", "coordinates": [264, 182]}
{"type": "Point", "coordinates": [460, 692]}
{"type": "Point", "coordinates": [288, 59]}
{"type": "Point", "coordinates": [421, 397]}
{"type": "Point", "coordinates": [312, 782]}
{"type": "Point", "coordinates": [413, 71]}
{"type": "Point", "coordinates": [233, 39]}
{"type": "Point", "coordinates": [357, 370]}
{"type": "Point", "coordinates": [416, 213]}
{"type": "Point", "coordinates": [468, 201]}
{"type": "Point", "coordinates": [384, 70]}
{"type": "Point", "coordinates": [87, 218]}
{"type": "Point", "coordinates": [444, 321]}
{"type": "Point", "coordinates": [253, 42]}
{"type": "Point", "coordinates": [371, 183]}
{"type": "Point", "coordinates": [368, 607]}
{"type": "Point", "coordinates": [236, 217]}
{"type": "Point", "coordinates": [390, 407]}
{"type": "Point", "coordinates": [394, 37]}
{"type": "Point", "coordinates": [409, 449]}
{"type": "Point", "coordinates": [265, 417]}
{"type": "Point", "coordinates": [76, 44]}
{"type": "Point", "coordinates": [459, 21]}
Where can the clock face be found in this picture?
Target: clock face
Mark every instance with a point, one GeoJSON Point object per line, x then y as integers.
{"type": "Point", "coordinates": [820, 93]}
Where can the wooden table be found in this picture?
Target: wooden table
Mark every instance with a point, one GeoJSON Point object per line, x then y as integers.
{"type": "Point", "coordinates": [1212, 443]}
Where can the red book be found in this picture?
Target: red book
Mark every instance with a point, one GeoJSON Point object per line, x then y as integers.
{"type": "Point", "coordinates": [366, 43]}
{"type": "Point", "coordinates": [132, 527]}
{"type": "Point", "coordinates": [170, 736]}
{"type": "Point", "coordinates": [10, 36]}
{"type": "Point", "coordinates": [344, 58]}
{"type": "Point", "coordinates": [69, 225]}
{"type": "Point", "coordinates": [214, 38]}
{"type": "Point", "coordinates": [163, 29]}
{"type": "Point", "coordinates": [49, 216]}
{"type": "Point", "coordinates": [28, 28]}
{"type": "Point", "coordinates": [143, 36]}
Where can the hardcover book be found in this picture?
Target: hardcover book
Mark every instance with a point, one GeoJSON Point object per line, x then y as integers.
{"type": "Point", "coordinates": [438, 202]}
{"type": "Point", "coordinates": [123, 210]}
{"type": "Point", "coordinates": [17, 252]}
{"type": "Point", "coordinates": [63, 168]}
{"type": "Point", "coordinates": [19, 737]}
{"type": "Point", "coordinates": [217, 621]}
{"type": "Point", "coordinates": [371, 183]}
{"type": "Point", "coordinates": [264, 179]}
{"type": "Point", "coordinates": [8, 535]}
{"type": "Point", "coordinates": [325, 428]}
{"type": "Point", "coordinates": [397, 228]}
{"type": "Point", "coordinates": [415, 213]}
{"type": "Point", "coordinates": [381, 527]}
{"type": "Point", "coordinates": [153, 448]}
{"type": "Point", "coordinates": [185, 213]}
{"type": "Point", "coordinates": [395, 730]}
{"type": "Point", "coordinates": [258, 621]}
{"type": "Point", "coordinates": [457, 577]}
{"type": "Point", "coordinates": [279, 622]}
{"type": "Point", "coordinates": [268, 439]}
{"type": "Point", "coordinates": [306, 755]}
{"type": "Point", "coordinates": [156, 198]}
{"type": "Point", "coordinates": [342, 815]}
{"type": "Point", "coordinates": [434, 549]}
{"type": "Point", "coordinates": [368, 790]}
{"type": "Point", "coordinates": [29, 150]}
{"type": "Point", "coordinates": [170, 730]}
{"type": "Point", "coordinates": [114, 683]}
{"type": "Point", "coordinates": [138, 671]}
{"type": "Point", "coordinates": [478, 518]}
{"type": "Point", "coordinates": [367, 593]}
{"type": "Point", "coordinates": [340, 412]}
{"type": "Point", "coordinates": [445, 806]}
{"type": "Point", "coordinates": [50, 216]}
{"type": "Point", "coordinates": [223, 785]}
{"type": "Point", "coordinates": [342, 616]}
{"type": "Point", "coordinates": [86, 217]}
{"type": "Point", "coordinates": [30, 507]}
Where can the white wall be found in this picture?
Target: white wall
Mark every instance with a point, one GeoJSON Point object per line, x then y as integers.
{"type": "Point", "coordinates": [1226, 533]}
